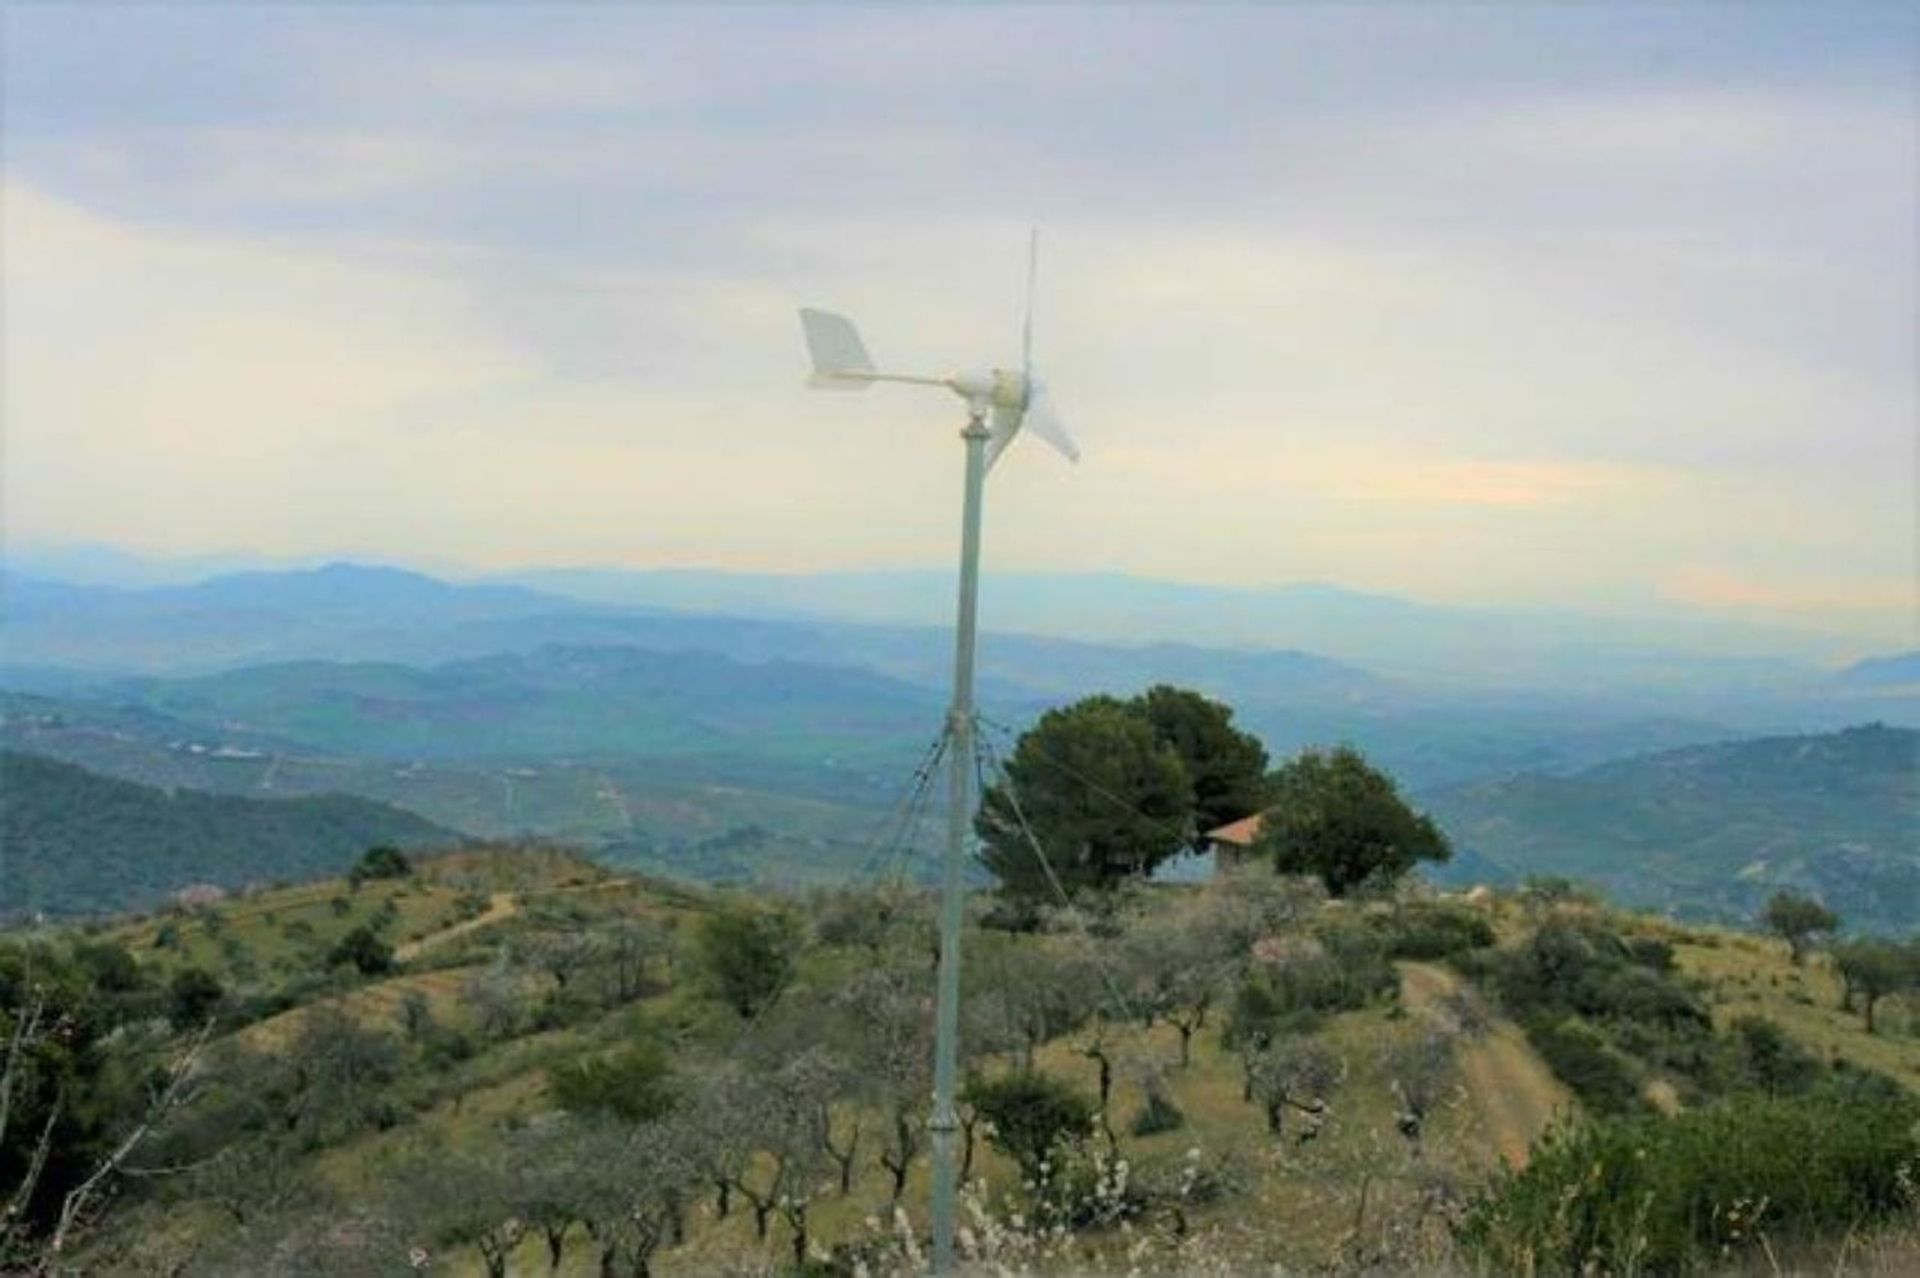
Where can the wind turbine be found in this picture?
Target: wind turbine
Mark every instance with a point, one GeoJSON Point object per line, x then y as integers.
{"type": "Point", "coordinates": [1000, 403]}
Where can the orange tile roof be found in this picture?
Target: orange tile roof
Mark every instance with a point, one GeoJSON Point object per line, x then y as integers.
{"type": "Point", "coordinates": [1241, 833]}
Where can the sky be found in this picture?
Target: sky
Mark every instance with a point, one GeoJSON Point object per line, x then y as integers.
{"type": "Point", "coordinates": [1600, 307]}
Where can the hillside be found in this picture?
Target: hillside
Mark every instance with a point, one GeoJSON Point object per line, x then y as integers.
{"type": "Point", "coordinates": [562, 702]}
{"type": "Point", "coordinates": [75, 842]}
{"type": "Point", "coordinates": [503, 1057]}
{"type": "Point", "coordinates": [1711, 831]}
{"type": "Point", "coordinates": [335, 610]}
{"type": "Point", "coordinates": [724, 819]}
{"type": "Point", "coordinates": [1423, 722]}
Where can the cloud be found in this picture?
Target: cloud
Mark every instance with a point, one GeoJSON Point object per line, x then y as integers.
{"type": "Point", "coordinates": [1453, 482]}
{"type": "Point", "coordinates": [1886, 604]}
{"type": "Point", "coordinates": [1534, 312]}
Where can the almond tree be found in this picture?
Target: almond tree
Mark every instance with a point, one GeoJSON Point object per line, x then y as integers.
{"type": "Point", "coordinates": [725, 1123]}
{"type": "Point", "coordinates": [792, 1169]}
{"type": "Point", "coordinates": [633, 1182]}
{"type": "Point", "coordinates": [890, 1013]}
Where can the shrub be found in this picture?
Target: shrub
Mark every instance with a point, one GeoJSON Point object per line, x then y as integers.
{"type": "Point", "coordinates": [1159, 1114]}
{"type": "Point", "coordinates": [1770, 1061]}
{"type": "Point", "coordinates": [635, 1083]}
{"type": "Point", "coordinates": [1580, 1058]}
{"type": "Point", "coordinates": [196, 994]}
{"type": "Point", "coordinates": [1433, 931]}
{"type": "Point", "coordinates": [365, 952]}
{"type": "Point", "coordinates": [1032, 1114]}
{"type": "Point", "coordinates": [749, 956]}
{"type": "Point", "coordinates": [1653, 1195]}
{"type": "Point", "coordinates": [381, 862]}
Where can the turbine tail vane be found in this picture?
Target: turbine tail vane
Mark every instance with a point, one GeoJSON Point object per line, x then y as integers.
{"type": "Point", "coordinates": [840, 359]}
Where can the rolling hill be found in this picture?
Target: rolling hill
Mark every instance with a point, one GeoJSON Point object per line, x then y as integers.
{"type": "Point", "coordinates": [1711, 831]}
{"type": "Point", "coordinates": [562, 702]}
{"type": "Point", "coordinates": [74, 842]}
{"type": "Point", "coordinates": [75, 641]}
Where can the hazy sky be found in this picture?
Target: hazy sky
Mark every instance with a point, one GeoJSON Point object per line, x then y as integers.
{"type": "Point", "coordinates": [1591, 305]}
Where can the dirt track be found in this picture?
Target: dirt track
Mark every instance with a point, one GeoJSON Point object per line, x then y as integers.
{"type": "Point", "coordinates": [1510, 1087]}
{"type": "Point", "coordinates": [501, 905]}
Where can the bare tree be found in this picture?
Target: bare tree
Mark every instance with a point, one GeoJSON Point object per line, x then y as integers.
{"type": "Point", "coordinates": [494, 996]}
{"type": "Point", "coordinates": [1035, 993]}
{"type": "Point", "coordinates": [890, 1008]}
{"type": "Point", "coordinates": [630, 1182]}
{"type": "Point", "coordinates": [251, 1179]}
{"type": "Point", "coordinates": [630, 948]}
{"type": "Point", "coordinates": [471, 1198]}
{"type": "Point", "coordinates": [23, 1044]}
{"type": "Point", "coordinates": [725, 1121]}
{"type": "Point", "coordinates": [793, 1168]}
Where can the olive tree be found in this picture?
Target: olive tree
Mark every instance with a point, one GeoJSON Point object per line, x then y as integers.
{"type": "Point", "coordinates": [1872, 969]}
{"type": "Point", "coordinates": [1799, 920]}
{"type": "Point", "coordinates": [1295, 1073]}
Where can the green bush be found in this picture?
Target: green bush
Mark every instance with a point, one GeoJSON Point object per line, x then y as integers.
{"type": "Point", "coordinates": [365, 952]}
{"type": "Point", "coordinates": [749, 956]}
{"type": "Point", "coordinates": [1669, 1195]}
{"type": "Point", "coordinates": [1033, 1115]}
{"type": "Point", "coordinates": [1580, 1058]}
{"type": "Point", "coordinates": [381, 862]}
{"type": "Point", "coordinates": [195, 995]}
{"type": "Point", "coordinates": [1770, 1061]}
{"type": "Point", "coordinates": [1159, 1114]}
{"type": "Point", "coordinates": [1432, 931]}
{"type": "Point", "coordinates": [635, 1083]}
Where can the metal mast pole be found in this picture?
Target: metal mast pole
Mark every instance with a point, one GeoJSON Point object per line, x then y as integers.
{"type": "Point", "coordinates": [945, 1122]}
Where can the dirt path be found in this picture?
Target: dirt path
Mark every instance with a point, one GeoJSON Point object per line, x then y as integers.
{"type": "Point", "coordinates": [501, 905]}
{"type": "Point", "coordinates": [1511, 1088]}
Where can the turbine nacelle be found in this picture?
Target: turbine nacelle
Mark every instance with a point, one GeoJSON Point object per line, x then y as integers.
{"type": "Point", "coordinates": [1011, 399]}
{"type": "Point", "coordinates": [993, 389]}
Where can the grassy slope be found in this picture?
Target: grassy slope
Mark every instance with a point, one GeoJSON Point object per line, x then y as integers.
{"type": "Point", "coordinates": [1303, 1202]}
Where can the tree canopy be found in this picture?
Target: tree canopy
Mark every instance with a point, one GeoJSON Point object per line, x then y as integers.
{"type": "Point", "coordinates": [1871, 969]}
{"type": "Point", "coordinates": [1336, 816]}
{"type": "Point", "coordinates": [1798, 919]}
{"type": "Point", "coordinates": [1226, 767]}
{"type": "Point", "coordinates": [748, 955]}
{"type": "Point", "coordinates": [1101, 793]}
{"type": "Point", "coordinates": [1033, 1114]}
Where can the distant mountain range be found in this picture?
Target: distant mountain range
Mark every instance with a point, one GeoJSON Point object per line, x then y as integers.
{"type": "Point", "coordinates": [75, 842]}
{"type": "Point", "coordinates": [1434, 729]}
{"type": "Point", "coordinates": [1711, 831]}
{"type": "Point", "coordinates": [595, 707]}
{"type": "Point", "coordinates": [563, 702]}
{"type": "Point", "coordinates": [1901, 670]}
{"type": "Point", "coordinates": [367, 607]}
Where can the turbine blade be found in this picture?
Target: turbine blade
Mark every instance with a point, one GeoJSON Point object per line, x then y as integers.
{"type": "Point", "coordinates": [1026, 329]}
{"type": "Point", "coordinates": [840, 359]}
{"type": "Point", "coordinates": [1044, 421]}
{"type": "Point", "coordinates": [1006, 424]}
